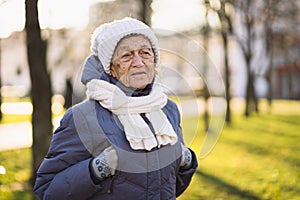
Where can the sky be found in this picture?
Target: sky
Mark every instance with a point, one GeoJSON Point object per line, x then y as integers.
{"type": "Point", "coordinates": [52, 13]}
{"type": "Point", "coordinates": [57, 14]}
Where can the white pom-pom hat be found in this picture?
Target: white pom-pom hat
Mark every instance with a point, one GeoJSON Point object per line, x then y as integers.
{"type": "Point", "coordinates": [107, 36]}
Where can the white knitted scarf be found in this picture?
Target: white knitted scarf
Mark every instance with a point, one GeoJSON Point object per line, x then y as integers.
{"type": "Point", "coordinates": [128, 110]}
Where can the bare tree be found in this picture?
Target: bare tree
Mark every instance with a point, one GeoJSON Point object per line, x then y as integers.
{"type": "Point", "coordinates": [146, 11]}
{"type": "Point", "coordinates": [226, 31]}
{"type": "Point", "coordinates": [40, 86]}
{"type": "Point", "coordinates": [247, 12]}
{"type": "Point", "coordinates": [269, 8]}
{"type": "Point", "coordinates": [205, 32]}
{"type": "Point", "coordinates": [275, 12]}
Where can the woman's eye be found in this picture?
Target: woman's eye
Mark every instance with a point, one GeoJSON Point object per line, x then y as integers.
{"type": "Point", "coordinates": [146, 53]}
{"type": "Point", "coordinates": [126, 56]}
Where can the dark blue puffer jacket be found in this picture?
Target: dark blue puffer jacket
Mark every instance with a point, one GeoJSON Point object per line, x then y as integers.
{"type": "Point", "coordinates": [85, 131]}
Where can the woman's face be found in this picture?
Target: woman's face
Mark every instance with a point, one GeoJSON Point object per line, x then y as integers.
{"type": "Point", "coordinates": [133, 62]}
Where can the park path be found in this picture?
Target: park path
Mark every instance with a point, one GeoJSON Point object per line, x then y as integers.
{"type": "Point", "coordinates": [15, 135]}
{"type": "Point", "coordinates": [18, 135]}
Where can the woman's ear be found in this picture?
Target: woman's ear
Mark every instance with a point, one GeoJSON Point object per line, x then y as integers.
{"type": "Point", "coordinates": [112, 71]}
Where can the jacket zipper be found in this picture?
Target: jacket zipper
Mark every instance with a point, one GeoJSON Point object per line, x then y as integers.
{"type": "Point", "coordinates": [148, 122]}
{"type": "Point", "coordinates": [110, 185]}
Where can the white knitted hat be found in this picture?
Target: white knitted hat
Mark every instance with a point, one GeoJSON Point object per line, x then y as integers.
{"type": "Point", "coordinates": [106, 37]}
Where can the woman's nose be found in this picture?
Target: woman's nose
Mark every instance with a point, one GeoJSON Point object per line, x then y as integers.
{"type": "Point", "coordinates": [137, 60]}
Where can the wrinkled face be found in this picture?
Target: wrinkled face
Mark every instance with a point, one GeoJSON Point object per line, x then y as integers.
{"type": "Point", "coordinates": [133, 62]}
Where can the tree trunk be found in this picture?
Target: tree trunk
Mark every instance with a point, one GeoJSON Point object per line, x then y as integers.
{"type": "Point", "coordinates": [206, 95]}
{"type": "Point", "coordinates": [251, 100]}
{"type": "Point", "coordinates": [270, 70]}
{"type": "Point", "coordinates": [270, 6]}
{"type": "Point", "coordinates": [247, 106]}
{"type": "Point", "coordinates": [226, 29]}
{"type": "Point", "coordinates": [40, 87]}
{"type": "Point", "coordinates": [146, 11]}
{"type": "Point", "coordinates": [68, 94]}
{"type": "Point", "coordinates": [227, 77]}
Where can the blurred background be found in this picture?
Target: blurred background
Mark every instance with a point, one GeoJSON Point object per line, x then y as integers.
{"type": "Point", "coordinates": [251, 47]}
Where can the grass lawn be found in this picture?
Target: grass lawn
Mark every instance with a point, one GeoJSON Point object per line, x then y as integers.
{"type": "Point", "coordinates": [255, 158]}
{"type": "Point", "coordinates": [14, 184]}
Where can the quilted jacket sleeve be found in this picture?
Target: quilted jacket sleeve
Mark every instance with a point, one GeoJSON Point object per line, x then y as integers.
{"type": "Point", "coordinates": [64, 173]}
{"type": "Point", "coordinates": [183, 177]}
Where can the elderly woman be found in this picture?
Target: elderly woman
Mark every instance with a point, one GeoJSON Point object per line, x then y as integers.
{"type": "Point", "coordinates": [125, 141]}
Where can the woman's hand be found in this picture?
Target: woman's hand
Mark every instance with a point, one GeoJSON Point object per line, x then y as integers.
{"type": "Point", "coordinates": [186, 158]}
{"type": "Point", "coordinates": [105, 164]}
